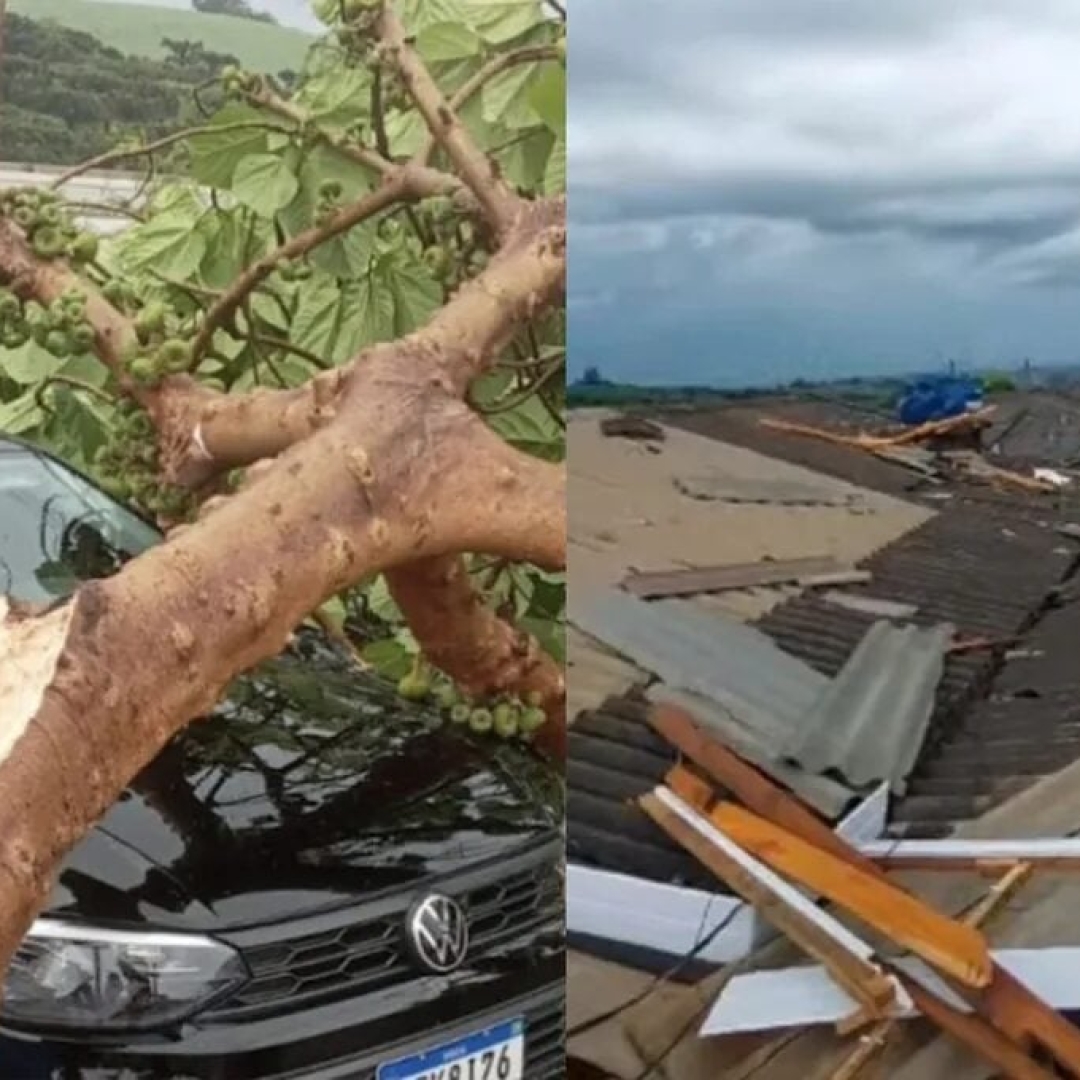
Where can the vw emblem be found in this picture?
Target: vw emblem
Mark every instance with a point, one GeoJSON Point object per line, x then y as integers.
{"type": "Point", "coordinates": [438, 932]}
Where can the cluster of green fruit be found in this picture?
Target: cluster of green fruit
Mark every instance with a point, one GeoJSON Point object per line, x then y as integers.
{"type": "Point", "coordinates": [508, 717]}
{"type": "Point", "coordinates": [453, 252]}
{"type": "Point", "coordinates": [236, 82]}
{"type": "Point", "coordinates": [61, 328]}
{"type": "Point", "coordinates": [48, 225]}
{"type": "Point", "coordinates": [127, 467]}
{"type": "Point", "coordinates": [162, 348]}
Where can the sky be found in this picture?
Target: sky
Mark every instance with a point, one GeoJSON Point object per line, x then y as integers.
{"type": "Point", "coordinates": [768, 189]}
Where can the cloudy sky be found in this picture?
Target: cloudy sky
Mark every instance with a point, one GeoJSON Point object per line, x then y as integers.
{"type": "Point", "coordinates": [767, 188]}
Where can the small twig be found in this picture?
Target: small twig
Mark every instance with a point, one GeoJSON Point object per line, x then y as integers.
{"type": "Point", "coordinates": [149, 149]}
{"type": "Point", "coordinates": [496, 66]}
{"type": "Point", "coordinates": [111, 208]}
{"type": "Point", "coordinates": [75, 384]}
{"type": "Point", "coordinates": [512, 401]}
{"type": "Point", "coordinates": [271, 342]}
{"type": "Point", "coordinates": [558, 8]}
{"type": "Point", "coordinates": [395, 189]}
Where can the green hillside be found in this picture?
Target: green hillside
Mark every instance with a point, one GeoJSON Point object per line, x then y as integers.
{"type": "Point", "coordinates": [137, 29]}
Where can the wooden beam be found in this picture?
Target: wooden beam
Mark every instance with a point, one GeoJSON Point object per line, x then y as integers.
{"type": "Point", "coordinates": [955, 855]}
{"type": "Point", "coordinates": [879, 1036]}
{"type": "Point", "coordinates": [1006, 1003]}
{"type": "Point", "coordinates": [812, 930]}
{"type": "Point", "coordinates": [751, 787]}
{"type": "Point", "coordinates": [982, 1038]}
{"type": "Point", "coordinates": [955, 949]}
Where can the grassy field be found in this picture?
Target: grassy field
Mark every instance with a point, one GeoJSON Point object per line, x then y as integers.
{"type": "Point", "coordinates": [137, 29]}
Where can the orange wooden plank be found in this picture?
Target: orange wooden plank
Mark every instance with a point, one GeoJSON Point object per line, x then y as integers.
{"type": "Point", "coordinates": [955, 949]}
{"type": "Point", "coordinates": [859, 978]}
{"type": "Point", "coordinates": [1005, 1003]}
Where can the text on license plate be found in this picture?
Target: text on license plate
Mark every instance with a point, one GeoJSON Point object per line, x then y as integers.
{"type": "Point", "coordinates": [495, 1054]}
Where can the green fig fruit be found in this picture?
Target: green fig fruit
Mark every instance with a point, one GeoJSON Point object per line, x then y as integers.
{"type": "Point", "coordinates": [481, 721]}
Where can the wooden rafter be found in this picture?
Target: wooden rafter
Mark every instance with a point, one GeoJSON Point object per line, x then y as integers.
{"type": "Point", "coordinates": [1006, 1005]}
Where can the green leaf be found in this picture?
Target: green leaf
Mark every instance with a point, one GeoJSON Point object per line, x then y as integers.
{"type": "Point", "coordinates": [555, 172]}
{"type": "Point", "coordinates": [530, 428]}
{"type": "Point", "coordinates": [234, 239]}
{"type": "Point", "coordinates": [265, 183]}
{"type": "Point", "coordinates": [346, 255]}
{"type": "Point", "coordinates": [171, 244]}
{"type": "Point", "coordinates": [390, 658]}
{"type": "Point", "coordinates": [315, 323]}
{"type": "Point", "coordinates": [447, 41]}
{"type": "Point", "coordinates": [405, 132]}
{"type": "Point", "coordinates": [216, 153]}
{"type": "Point", "coordinates": [547, 96]}
{"type": "Point", "coordinates": [551, 635]}
{"type": "Point", "coordinates": [507, 98]}
{"type": "Point", "coordinates": [20, 415]}
{"type": "Point", "coordinates": [500, 21]}
{"type": "Point", "coordinates": [381, 604]}
{"type": "Point", "coordinates": [86, 368]}
{"type": "Point", "coordinates": [418, 15]}
{"type": "Point", "coordinates": [338, 98]}
{"type": "Point", "coordinates": [368, 316]}
{"type": "Point", "coordinates": [29, 364]}
{"type": "Point", "coordinates": [524, 162]}
{"type": "Point", "coordinates": [416, 293]}
{"type": "Point", "coordinates": [320, 165]}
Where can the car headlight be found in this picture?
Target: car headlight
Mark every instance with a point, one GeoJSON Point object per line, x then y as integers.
{"type": "Point", "coordinates": [71, 976]}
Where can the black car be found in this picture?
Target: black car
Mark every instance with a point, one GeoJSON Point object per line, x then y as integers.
{"type": "Point", "coordinates": [316, 881]}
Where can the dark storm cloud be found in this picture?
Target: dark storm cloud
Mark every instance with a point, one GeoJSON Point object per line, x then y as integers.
{"type": "Point", "coordinates": [824, 156]}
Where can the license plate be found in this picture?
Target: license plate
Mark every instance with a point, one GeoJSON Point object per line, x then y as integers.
{"type": "Point", "coordinates": [495, 1054]}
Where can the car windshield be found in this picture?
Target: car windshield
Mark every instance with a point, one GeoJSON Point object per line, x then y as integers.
{"type": "Point", "coordinates": [57, 529]}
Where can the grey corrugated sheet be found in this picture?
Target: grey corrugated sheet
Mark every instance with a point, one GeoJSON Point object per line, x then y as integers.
{"type": "Point", "coordinates": [870, 723]}
{"type": "Point", "coordinates": [704, 653]}
{"type": "Point", "coordinates": [829, 796]}
{"type": "Point", "coordinates": [732, 679]}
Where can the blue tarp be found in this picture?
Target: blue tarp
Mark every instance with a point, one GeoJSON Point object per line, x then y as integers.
{"type": "Point", "coordinates": [938, 399]}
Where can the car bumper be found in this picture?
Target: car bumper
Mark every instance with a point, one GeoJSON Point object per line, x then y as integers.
{"type": "Point", "coordinates": [334, 1043]}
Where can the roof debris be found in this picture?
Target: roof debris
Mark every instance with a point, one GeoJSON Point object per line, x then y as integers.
{"type": "Point", "coordinates": [713, 579]}
{"type": "Point", "coordinates": [945, 674]}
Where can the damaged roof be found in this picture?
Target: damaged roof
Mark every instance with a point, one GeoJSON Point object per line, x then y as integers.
{"type": "Point", "coordinates": [626, 512]}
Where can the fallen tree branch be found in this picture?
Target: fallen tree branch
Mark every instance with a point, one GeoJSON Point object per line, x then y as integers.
{"type": "Point", "coordinates": [458, 632]}
{"type": "Point", "coordinates": [480, 173]}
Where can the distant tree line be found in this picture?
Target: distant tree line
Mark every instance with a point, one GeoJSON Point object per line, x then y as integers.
{"type": "Point", "coordinates": [65, 96]}
{"type": "Point", "coordinates": [240, 8]}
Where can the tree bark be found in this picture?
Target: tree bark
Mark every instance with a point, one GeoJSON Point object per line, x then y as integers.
{"type": "Point", "coordinates": [376, 467]}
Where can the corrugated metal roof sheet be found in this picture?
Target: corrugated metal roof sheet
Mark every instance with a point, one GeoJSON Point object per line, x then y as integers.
{"type": "Point", "coordinates": [704, 653]}
{"type": "Point", "coordinates": [870, 723]}
{"type": "Point", "coordinates": [751, 694]}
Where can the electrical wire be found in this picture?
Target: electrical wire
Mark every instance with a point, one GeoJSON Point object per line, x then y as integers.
{"type": "Point", "coordinates": [671, 973]}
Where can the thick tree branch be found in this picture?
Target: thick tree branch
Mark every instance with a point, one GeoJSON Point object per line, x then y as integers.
{"type": "Point", "coordinates": [480, 173]}
{"type": "Point", "coordinates": [460, 634]}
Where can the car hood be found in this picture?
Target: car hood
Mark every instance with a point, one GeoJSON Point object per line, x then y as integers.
{"type": "Point", "coordinates": [311, 786]}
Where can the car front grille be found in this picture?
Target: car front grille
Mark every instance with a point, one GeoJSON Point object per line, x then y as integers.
{"type": "Point", "coordinates": [367, 954]}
